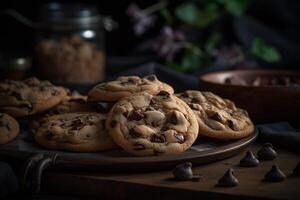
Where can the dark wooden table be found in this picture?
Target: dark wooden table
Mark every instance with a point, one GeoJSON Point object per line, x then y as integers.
{"type": "Point", "coordinates": [160, 185]}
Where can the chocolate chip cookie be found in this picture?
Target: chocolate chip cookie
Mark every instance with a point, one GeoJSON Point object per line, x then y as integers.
{"type": "Point", "coordinates": [80, 132]}
{"type": "Point", "coordinates": [218, 118]}
{"type": "Point", "coordinates": [145, 124]}
{"type": "Point", "coordinates": [23, 98]}
{"type": "Point", "coordinates": [9, 128]}
{"type": "Point", "coordinates": [127, 85]}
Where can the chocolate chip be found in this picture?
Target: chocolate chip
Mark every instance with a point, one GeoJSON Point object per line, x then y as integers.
{"type": "Point", "coordinates": [228, 180]}
{"type": "Point", "coordinates": [173, 119]}
{"type": "Point", "coordinates": [1, 115]}
{"type": "Point", "coordinates": [274, 175]}
{"type": "Point", "coordinates": [132, 81]}
{"type": "Point", "coordinates": [28, 106]}
{"type": "Point", "coordinates": [217, 117]}
{"type": "Point", "coordinates": [267, 152]}
{"type": "Point", "coordinates": [194, 100]}
{"type": "Point", "coordinates": [158, 138]}
{"type": "Point", "coordinates": [183, 171]}
{"type": "Point", "coordinates": [17, 95]}
{"type": "Point", "coordinates": [296, 170]}
{"type": "Point", "coordinates": [232, 125]}
{"type": "Point", "coordinates": [193, 106]}
{"type": "Point", "coordinates": [249, 160]}
{"type": "Point", "coordinates": [49, 135]}
{"type": "Point", "coordinates": [7, 126]}
{"type": "Point", "coordinates": [133, 133]}
{"type": "Point", "coordinates": [185, 94]}
{"type": "Point", "coordinates": [136, 115]}
{"type": "Point", "coordinates": [103, 121]}
{"type": "Point", "coordinates": [77, 124]}
{"type": "Point", "coordinates": [163, 93]}
{"type": "Point", "coordinates": [151, 77]}
{"type": "Point", "coordinates": [180, 137]}
{"type": "Point", "coordinates": [125, 114]}
{"type": "Point", "coordinates": [138, 147]}
{"type": "Point", "coordinates": [55, 92]}
{"type": "Point", "coordinates": [113, 123]}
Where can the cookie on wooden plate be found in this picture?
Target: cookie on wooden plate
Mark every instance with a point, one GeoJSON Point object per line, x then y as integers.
{"type": "Point", "coordinates": [9, 128]}
{"type": "Point", "coordinates": [125, 86]}
{"type": "Point", "coordinates": [80, 132]}
{"type": "Point", "coordinates": [145, 124]}
{"type": "Point", "coordinates": [23, 98]}
{"type": "Point", "coordinates": [218, 118]}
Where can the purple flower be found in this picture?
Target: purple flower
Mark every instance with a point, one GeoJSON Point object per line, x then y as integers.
{"type": "Point", "coordinates": [228, 56]}
{"type": "Point", "coordinates": [168, 43]}
{"type": "Point", "coordinates": [141, 20]}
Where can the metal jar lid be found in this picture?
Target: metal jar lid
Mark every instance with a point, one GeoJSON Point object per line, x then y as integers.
{"type": "Point", "coordinates": [65, 16]}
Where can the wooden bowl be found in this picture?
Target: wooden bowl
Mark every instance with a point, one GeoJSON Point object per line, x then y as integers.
{"type": "Point", "coordinates": [265, 103]}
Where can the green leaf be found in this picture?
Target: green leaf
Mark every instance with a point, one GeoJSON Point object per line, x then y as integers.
{"type": "Point", "coordinates": [235, 7]}
{"type": "Point", "coordinates": [192, 15]}
{"type": "Point", "coordinates": [167, 16]}
{"type": "Point", "coordinates": [264, 51]}
{"type": "Point", "coordinates": [212, 41]}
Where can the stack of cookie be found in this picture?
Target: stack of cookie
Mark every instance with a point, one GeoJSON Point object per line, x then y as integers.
{"type": "Point", "coordinates": [143, 116]}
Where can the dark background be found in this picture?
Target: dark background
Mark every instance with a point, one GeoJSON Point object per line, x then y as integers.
{"type": "Point", "coordinates": [280, 17]}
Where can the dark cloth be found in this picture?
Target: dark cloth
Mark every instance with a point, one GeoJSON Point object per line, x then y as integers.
{"type": "Point", "coordinates": [8, 180]}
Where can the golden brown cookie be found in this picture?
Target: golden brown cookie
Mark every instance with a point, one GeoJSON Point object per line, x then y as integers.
{"type": "Point", "coordinates": [9, 128]}
{"type": "Point", "coordinates": [218, 118]}
{"type": "Point", "coordinates": [145, 124]}
{"type": "Point", "coordinates": [81, 132]}
{"type": "Point", "coordinates": [127, 85]}
{"type": "Point", "coordinates": [23, 98]}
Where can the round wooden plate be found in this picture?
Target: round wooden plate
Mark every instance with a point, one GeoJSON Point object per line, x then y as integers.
{"type": "Point", "coordinates": [205, 151]}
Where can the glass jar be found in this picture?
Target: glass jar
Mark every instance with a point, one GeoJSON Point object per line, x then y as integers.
{"type": "Point", "coordinates": [70, 44]}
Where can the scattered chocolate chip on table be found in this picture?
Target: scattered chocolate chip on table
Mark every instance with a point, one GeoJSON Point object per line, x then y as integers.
{"type": "Point", "coordinates": [161, 184]}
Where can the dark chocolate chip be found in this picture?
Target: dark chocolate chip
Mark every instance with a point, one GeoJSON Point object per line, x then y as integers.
{"type": "Point", "coordinates": [194, 100]}
{"type": "Point", "coordinates": [138, 147]}
{"type": "Point", "coordinates": [77, 124]}
{"type": "Point", "coordinates": [180, 137]}
{"type": "Point", "coordinates": [185, 94]}
{"type": "Point", "coordinates": [28, 106]}
{"type": "Point", "coordinates": [7, 126]}
{"type": "Point", "coordinates": [113, 123]}
{"type": "Point", "coordinates": [125, 114]}
{"type": "Point", "coordinates": [49, 135]}
{"type": "Point", "coordinates": [193, 106]}
{"type": "Point", "coordinates": [173, 118]}
{"type": "Point", "coordinates": [158, 138]}
{"type": "Point", "coordinates": [296, 171]}
{"type": "Point", "coordinates": [216, 116]}
{"type": "Point", "coordinates": [103, 121]}
{"type": "Point", "coordinates": [232, 125]}
{"type": "Point", "coordinates": [274, 175]}
{"type": "Point", "coordinates": [132, 81]}
{"type": "Point", "coordinates": [136, 115]}
{"type": "Point", "coordinates": [151, 77]}
{"type": "Point", "coordinates": [267, 152]}
{"type": "Point", "coordinates": [183, 171]}
{"type": "Point", "coordinates": [17, 95]}
{"type": "Point", "coordinates": [133, 133]}
{"type": "Point", "coordinates": [228, 180]}
{"type": "Point", "coordinates": [55, 92]}
{"type": "Point", "coordinates": [249, 160]}
{"type": "Point", "coordinates": [163, 93]}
